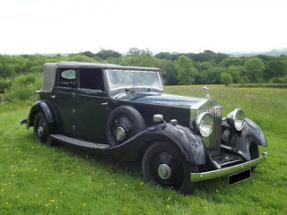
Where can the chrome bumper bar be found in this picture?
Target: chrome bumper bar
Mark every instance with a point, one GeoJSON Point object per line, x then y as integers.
{"type": "Point", "coordinates": [202, 176]}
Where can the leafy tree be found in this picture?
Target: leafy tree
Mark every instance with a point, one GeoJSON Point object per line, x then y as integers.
{"type": "Point", "coordinates": [254, 69]}
{"type": "Point", "coordinates": [226, 78]}
{"type": "Point", "coordinates": [88, 54]}
{"type": "Point", "coordinates": [138, 52]}
{"type": "Point", "coordinates": [234, 71]}
{"type": "Point", "coordinates": [275, 69]}
{"type": "Point", "coordinates": [134, 52]}
{"type": "Point", "coordinates": [105, 54]}
{"type": "Point", "coordinates": [4, 84]}
{"type": "Point", "coordinates": [220, 57]}
{"type": "Point", "coordinates": [203, 78]}
{"type": "Point", "coordinates": [25, 79]}
{"type": "Point", "coordinates": [167, 56]}
{"type": "Point", "coordinates": [207, 55]}
{"type": "Point", "coordinates": [186, 71]}
{"type": "Point", "coordinates": [80, 58]}
{"type": "Point", "coordinates": [214, 74]}
{"type": "Point", "coordinates": [203, 68]}
{"type": "Point", "coordinates": [231, 61]}
{"type": "Point", "coordinates": [169, 72]}
{"type": "Point", "coordinates": [206, 65]}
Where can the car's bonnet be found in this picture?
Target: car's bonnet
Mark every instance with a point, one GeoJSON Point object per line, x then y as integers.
{"type": "Point", "coordinates": [164, 99]}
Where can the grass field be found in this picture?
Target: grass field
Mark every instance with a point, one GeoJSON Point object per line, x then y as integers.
{"type": "Point", "coordinates": [35, 179]}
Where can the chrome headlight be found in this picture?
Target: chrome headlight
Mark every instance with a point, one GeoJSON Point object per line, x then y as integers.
{"type": "Point", "coordinates": [236, 119]}
{"type": "Point", "coordinates": [203, 124]}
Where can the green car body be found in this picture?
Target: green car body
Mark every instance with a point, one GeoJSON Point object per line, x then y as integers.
{"type": "Point", "coordinates": [123, 112]}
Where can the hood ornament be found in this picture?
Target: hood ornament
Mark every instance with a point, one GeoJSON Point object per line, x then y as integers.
{"type": "Point", "coordinates": [207, 94]}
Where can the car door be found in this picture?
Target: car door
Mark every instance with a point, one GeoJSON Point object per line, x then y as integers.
{"type": "Point", "coordinates": [92, 106]}
{"type": "Point", "coordinates": [64, 100]}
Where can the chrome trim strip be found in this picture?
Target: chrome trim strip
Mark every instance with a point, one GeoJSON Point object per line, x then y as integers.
{"type": "Point", "coordinates": [202, 176]}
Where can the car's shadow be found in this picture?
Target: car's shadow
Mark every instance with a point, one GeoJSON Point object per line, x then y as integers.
{"type": "Point", "coordinates": [107, 162]}
{"type": "Point", "coordinates": [133, 169]}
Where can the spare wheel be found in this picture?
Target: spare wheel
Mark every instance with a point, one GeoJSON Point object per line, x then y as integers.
{"type": "Point", "coordinates": [123, 123]}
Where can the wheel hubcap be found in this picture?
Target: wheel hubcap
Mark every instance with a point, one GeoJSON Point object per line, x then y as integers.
{"type": "Point", "coordinates": [164, 171]}
{"type": "Point", "coordinates": [120, 134]}
{"type": "Point", "coordinates": [40, 131]}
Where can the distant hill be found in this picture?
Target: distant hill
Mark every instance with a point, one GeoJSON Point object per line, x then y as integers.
{"type": "Point", "coordinates": [274, 52]}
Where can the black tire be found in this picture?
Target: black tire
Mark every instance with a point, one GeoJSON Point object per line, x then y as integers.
{"type": "Point", "coordinates": [123, 123]}
{"type": "Point", "coordinates": [42, 129]}
{"type": "Point", "coordinates": [163, 165]}
{"type": "Point", "coordinates": [254, 153]}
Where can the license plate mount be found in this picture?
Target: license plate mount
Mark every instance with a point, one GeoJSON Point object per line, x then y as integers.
{"type": "Point", "coordinates": [239, 177]}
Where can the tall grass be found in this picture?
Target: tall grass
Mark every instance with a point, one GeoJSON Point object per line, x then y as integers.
{"type": "Point", "coordinates": [35, 179]}
{"type": "Point", "coordinates": [266, 106]}
{"type": "Point", "coordinates": [21, 91]}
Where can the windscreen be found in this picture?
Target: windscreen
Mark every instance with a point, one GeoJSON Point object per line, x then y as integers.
{"type": "Point", "coordinates": [132, 78]}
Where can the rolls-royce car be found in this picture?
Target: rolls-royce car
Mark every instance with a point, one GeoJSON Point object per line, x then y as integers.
{"type": "Point", "coordinates": [124, 112]}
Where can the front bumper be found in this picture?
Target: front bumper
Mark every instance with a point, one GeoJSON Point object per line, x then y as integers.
{"type": "Point", "coordinates": [202, 176]}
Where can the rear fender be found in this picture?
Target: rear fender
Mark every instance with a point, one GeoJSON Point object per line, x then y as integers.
{"type": "Point", "coordinates": [44, 107]}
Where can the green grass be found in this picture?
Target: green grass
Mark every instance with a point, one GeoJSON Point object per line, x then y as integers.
{"type": "Point", "coordinates": [35, 179]}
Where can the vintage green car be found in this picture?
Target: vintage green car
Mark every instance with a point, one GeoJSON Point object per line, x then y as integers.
{"type": "Point", "coordinates": [123, 112]}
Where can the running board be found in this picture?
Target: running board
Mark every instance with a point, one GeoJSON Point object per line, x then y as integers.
{"type": "Point", "coordinates": [77, 142]}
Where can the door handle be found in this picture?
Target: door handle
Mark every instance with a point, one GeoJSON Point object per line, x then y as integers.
{"type": "Point", "coordinates": [53, 96]}
{"type": "Point", "coordinates": [104, 103]}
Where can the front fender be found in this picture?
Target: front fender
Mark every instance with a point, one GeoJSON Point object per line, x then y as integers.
{"type": "Point", "coordinates": [40, 106]}
{"type": "Point", "coordinates": [251, 133]}
{"type": "Point", "coordinates": [188, 143]}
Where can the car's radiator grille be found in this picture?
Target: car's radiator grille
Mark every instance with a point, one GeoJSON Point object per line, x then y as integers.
{"type": "Point", "coordinates": [212, 142]}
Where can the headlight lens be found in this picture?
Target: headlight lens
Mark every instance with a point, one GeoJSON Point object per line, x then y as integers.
{"type": "Point", "coordinates": [236, 119]}
{"type": "Point", "coordinates": [203, 124]}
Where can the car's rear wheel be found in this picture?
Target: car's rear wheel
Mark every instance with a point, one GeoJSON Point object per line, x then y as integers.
{"type": "Point", "coordinates": [123, 123]}
{"type": "Point", "coordinates": [163, 165]}
{"type": "Point", "coordinates": [42, 129]}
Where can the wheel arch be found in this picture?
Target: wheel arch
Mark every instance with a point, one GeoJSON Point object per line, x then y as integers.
{"type": "Point", "coordinates": [189, 145]}
{"type": "Point", "coordinates": [251, 132]}
{"type": "Point", "coordinates": [45, 108]}
{"type": "Point", "coordinates": [242, 140]}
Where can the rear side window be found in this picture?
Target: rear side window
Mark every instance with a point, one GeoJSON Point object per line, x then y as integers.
{"type": "Point", "coordinates": [91, 79]}
{"type": "Point", "coordinates": [69, 74]}
{"type": "Point", "coordinates": [67, 78]}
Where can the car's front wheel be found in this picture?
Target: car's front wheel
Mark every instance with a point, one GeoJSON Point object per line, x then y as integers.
{"type": "Point", "coordinates": [42, 129]}
{"type": "Point", "coordinates": [163, 165]}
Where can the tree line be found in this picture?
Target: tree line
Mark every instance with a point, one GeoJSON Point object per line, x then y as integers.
{"type": "Point", "coordinates": [177, 68]}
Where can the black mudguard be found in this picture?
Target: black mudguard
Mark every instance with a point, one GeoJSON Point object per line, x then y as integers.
{"type": "Point", "coordinates": [241, 140]}
{"type": "Point", "coordinates": [45, 108]}
{"type": "Point", "coordinates": [188, 143]}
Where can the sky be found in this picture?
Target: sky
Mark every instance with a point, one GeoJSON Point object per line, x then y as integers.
{"type": "Point", "coordinates": [72, 26]}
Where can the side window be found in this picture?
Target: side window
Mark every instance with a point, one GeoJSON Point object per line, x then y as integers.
{"type": "Point", "coordinates": [67, 78]}
{"type": "Point", "coordinates": [91, 79]}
